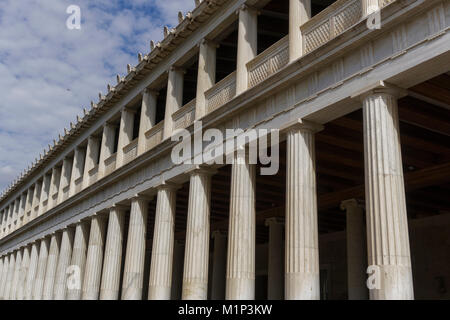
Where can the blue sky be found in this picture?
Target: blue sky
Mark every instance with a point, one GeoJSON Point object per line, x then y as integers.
{"type": "Point", "coordinates": [48, 73]}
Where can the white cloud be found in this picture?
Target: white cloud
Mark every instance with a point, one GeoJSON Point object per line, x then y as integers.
{"type": "Point", "coordinates": [48, 73]}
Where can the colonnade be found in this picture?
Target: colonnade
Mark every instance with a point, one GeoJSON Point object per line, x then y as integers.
{"type": "Point", "coordinates": [92, 249]}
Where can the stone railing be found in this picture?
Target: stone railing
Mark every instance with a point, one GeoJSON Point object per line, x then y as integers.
{"type": "Point", "coordinates": [130, 151]}
{"type": "Point", "coordinates": [154, 136]}
{"type": "Point", "coordinates": [78, 184]}
{"type": "Point", "coordinates": [329, 23]}
{"type": "Point", "coordinates": [93, 174]}
{"type": "Point", "coordinates": [185, 116]}
{"type": "Point", "coordinates": [110, 164]}
{"type": "Point", "coordinates": [268, 62]}
{"type": "Point", "coordinates": [221, 93]}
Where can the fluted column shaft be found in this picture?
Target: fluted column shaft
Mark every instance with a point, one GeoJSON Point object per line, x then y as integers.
{"type": "Point", "coordinates": [174, 99]}
{"type": "Point", "coordinates": [110, 285]}
{"type": "Point", "coordinates": [206, 75]}
{"type": "Point", "coordinates": [3, 275]}
{"type": "Point", "coordinates": [64, 259]}
{"type": "Point", "coordinates": [275, 271]}
{"type": "Point", "coordinates": [52, 264]}
{"type": "Point", "coordinates": [302, 243]}
{"type": "Point", "coordinates": [15, 280]}
{"type": "Point", "coordinates": [386, 217]}
{"type": "Point", "coordinates": [36, 200]}
{"type": "Point", "coordinates": [241, 235]}
{"type": "Point", "coordinates": [299, 13]}
{"type": "Point", "coordinates": [77, 169]}
{"type": "Point", "coordinates": [148, 117]}
{"type": "Point", "coordinates": [9, 277]}
{"type": "Point", "coordinates": [32, 270]}
{"type": "Point", "coordinates": [219, 267]}
{"type": "Point", "coordinates": [107, 146]}
{"type": "Point", "coordinates": [64, 182]}
{"type": "Point", "coordinates": [44, 194]}
{"type": "Point", "coordinates": [78, 261]}
{"type": "Point", "coordinates": [94, 261]}
{"type": "Point", "coordinates": [20, 293]}
{"type": "Point", "coordinates": [163, 241]}
{"type": "Point", "coordinates": [133, 277]}
{"type": "Point", "coordinates": [92, 153]}
{"type": "Point", "coordinates": [54, 187]}
{"type": "Point", "coordinates": [28, 203]}
{"type": "Point", "coordinates": [38, 287]}
{"type": "Point", "coordinates": [125, 134]}
{"type": "Point", "coordinates": [196, 260]}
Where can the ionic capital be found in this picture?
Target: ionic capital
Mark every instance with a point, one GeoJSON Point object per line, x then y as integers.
{"type": "Point", "coordinates": [351, 203]}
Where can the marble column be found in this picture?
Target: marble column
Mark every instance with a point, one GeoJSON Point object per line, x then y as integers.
{"type": "Point", "coordinates": [15, 219]}
{"type": "Point", "coordinates": [196, 259]}
{"type": "Point", "coordinates": [20, 294]}
{"type": "Point", "coordinates": [36, 199]}
{"type": "Point", "coordinates": [125, 134]}
{"type": "Point", "coordinates": [112, 264]}
{"type": "Point", "coordinates": [107, 147]}
{"type": "Point", "coordinates": [78, 262]}
{"type": "Point", "coordinates": [302, 243]}
{"type": "Point", "coordinates": [275, 273]}
{"type": "Point", "coordinates": [241, 235]}
{"type": "Point", "coordinates": [54, 186]}
{"type": "Point", "coordinates": [299, 13]}
{"type": "Point", "coordinates": [15, 280]}
{"type": "Point", "coordinates": [21, 217]}
{"type": "Point", "coordinates": [133, 277]}
{"type": "Point", "coordinates": [148, 117]}
{"type": "Point", "coordinates": [206, 75]}
{"type": "Point", "coordinates": [77, 169]}
{"type": "Point", "coordinates": [247, 45]}
{"type": "Point", "coordinates": [9, 276]}
{"type": "Point", "coordinates": [32, 270]}
{"type": "Point", "coordinates": [3, 275]}
{"type": "Point", "coordinates": [64, 259]}
{"type": "Point", "coordinates": [28, 203]}
{"type": "Point", "coordinates": [177, 271]}
{"type": "Point", "coordinates": [64, 182]}
{"type": "Point", "coordinates": [52, 264]}
{"type": "Point", "coordinates": [38, 286]}
{"type": "Point", "coordinates": [92, 154]}
{"type": "Point", "coordinates": [369, 7]}
{"type": "Point", "coordinates": [1, 268]}
{"type": "Point", "coordinates": [94, 261]}
{"type": "Point", "coordinates": [219, 266]}
{"type": "Point", "coordinates": [174, 99]}
{"type": "Point", "coordinates": [44, 194]}
{"type": "Point", "coordinates": [356, 250]}
{"type": "Point", "coordinates": [386, 216]}
{"type": "Point", "coordinates": [163, 240]}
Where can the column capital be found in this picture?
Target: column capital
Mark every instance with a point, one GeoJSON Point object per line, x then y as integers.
{"type": "Point", "coordinates": [168, 186]}
{"type": "Point", "coordinates": [248, 7]}
{"type": "Point", "coordinates": [274, 220]}
{"type": "Point", "coordinates": [110, 125]}
{"type": "Point", "coordinates": [208, 42]}
{"type": "Point", "coordinates": [351, 203]}
{"type": "Point", "coordinates": [302, 125]}
{"type": "Point", "coordinates": [200, 169]}
{"type": "Point", "coordinates": [128, 110]}
{"type": "Point", "coordinates": [380, 87]}
{"type": "Point", "coordinates": [177, 69]}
